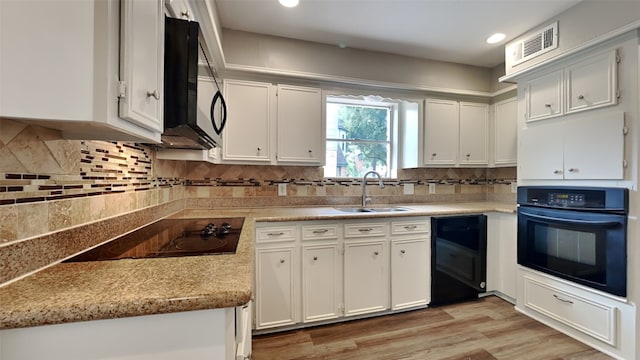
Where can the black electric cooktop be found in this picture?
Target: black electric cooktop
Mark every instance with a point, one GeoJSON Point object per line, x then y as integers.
{"type": "Point", "coordinates": [170, 238]}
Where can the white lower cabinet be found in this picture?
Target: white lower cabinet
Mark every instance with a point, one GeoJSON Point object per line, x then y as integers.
{"type": "Point", "coordinates": [600, 320]}
{"type": "Point", "coordinates": [312, 271]}
{"type": "Point", "coordinates": [277, 269]}
{"type": "Point", "coordinates": [410, 263]}
{"type": "Point", "coordinates": [366, 277]}
{"type": "Point", "coordinates": [502, 253]}
{"type": "Point", "coordinates": [321, 273]}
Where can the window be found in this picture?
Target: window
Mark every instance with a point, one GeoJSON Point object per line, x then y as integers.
{"type": "Point", "coordinates": [360, 137]}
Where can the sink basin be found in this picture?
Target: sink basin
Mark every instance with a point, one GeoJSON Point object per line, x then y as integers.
{"type": "Point", "coordinates": [355, 210]}
{"type": "Point", "coordinates": [389, 209]}
{"type": "Point", "coordinates": [368, 210]}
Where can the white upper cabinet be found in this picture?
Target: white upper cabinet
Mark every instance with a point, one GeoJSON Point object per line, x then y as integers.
{"type": "Point", "coordinates": [299, 125]}
{"type": "Point", "coordinates": [543, 96]}
{"type": "Point", "coordinates": [505, 131]}
{"type": "Point", "coordinates": [584, 148]}
{"type": "Point", "coordinates": [63, 69]}
{"type": "Point", "coordinates": [247, 135]}
{"type": "Point", "coordinates": [474, 124]}
{"type": "Point", "coordinates": [441, 132]}
{"type": "Point", "coordinates": [455, 133]}
{"type": "Point", "coordinates": [584, 84]}
{"type": "Point", "coordinates": [592, 82]}
{"type": "Point", "coordinates": [142, 58]}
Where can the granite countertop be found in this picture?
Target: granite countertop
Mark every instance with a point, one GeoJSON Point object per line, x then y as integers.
{"type": "Point", "coordinates": [68, 292]}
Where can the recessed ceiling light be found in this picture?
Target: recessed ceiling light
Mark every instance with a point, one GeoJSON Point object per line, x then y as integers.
{"type": "Point", "coordinates": [289, 3]}
{"type": "Point", "coordinates": [495, 38]}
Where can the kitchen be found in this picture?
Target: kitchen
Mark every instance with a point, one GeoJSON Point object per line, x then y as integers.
{"type": "Point", "coordinates": [151, 188]}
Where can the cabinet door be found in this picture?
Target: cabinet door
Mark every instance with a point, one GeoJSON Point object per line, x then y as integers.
{"type": "Point", "coordinates": [321, 269]}
{"type": "Point", "coordinates": [299, 125]}
{"type": "Point", "coordinates": [142, 59]}
{"type": "Point", "coordinates": [592, 82]}
{"type": "Point", "coordinates": [505, 132]}
{"type": "Point", "coordinates": [441, 132]}
{"type": "Point", "coordinates": [246, 137]}
{"type": "Point", "coordinates": [540, 151]}
{"type": "Point", "coordinates": [410, 280]}
{"type": "Point", "coordinates": [594, 147]}
{"type": "Point", "coordinates": [543, 96]}
{"type": "Point", "coordinates": [366, 278]}
{"type": "Point", "coordinates": [474, 124]}
{"type": "Point", "coordinates": [502, 253]}
{"type": "Point", "coordinates": [275, 287]}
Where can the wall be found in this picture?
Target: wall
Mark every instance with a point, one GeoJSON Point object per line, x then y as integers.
{"type": "Point", "coordinates": [579, 25]}
{"type": "Point", "coordinates": [302, 58]}
{"type": "Point", "coordinates": [59, 197]}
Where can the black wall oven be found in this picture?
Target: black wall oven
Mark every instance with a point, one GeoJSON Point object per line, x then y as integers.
{"type": "Point", "coordinates": [575, 233]}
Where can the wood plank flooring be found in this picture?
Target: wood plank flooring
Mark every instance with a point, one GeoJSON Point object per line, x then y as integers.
{"type": "Point", "coordinates": [486, 329]}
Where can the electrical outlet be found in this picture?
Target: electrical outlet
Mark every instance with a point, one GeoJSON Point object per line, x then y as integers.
{"type": "Point", "coordinates": [432, 188]}
{"type": "Point", "coordinates": [408, 189]}
{"type": "Point", "coordinates": [514, 187]}
{"type": "Point", "coordinates": [282, 189]}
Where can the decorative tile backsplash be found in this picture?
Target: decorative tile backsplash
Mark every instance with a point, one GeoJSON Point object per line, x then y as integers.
{"type": "Point", "coordinates": [55, 194]}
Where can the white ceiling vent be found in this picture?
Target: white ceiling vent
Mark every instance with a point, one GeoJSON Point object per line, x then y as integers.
{"type": "Point", "coordinates": [537, 44]}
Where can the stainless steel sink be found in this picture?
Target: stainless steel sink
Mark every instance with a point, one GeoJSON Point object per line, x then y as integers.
{"type": "Point", "coordinates": [354, 210]}
{"type": "Point", "coordinates": [369, 210]}
{"type": "Point", "coordinates": [389, 209]}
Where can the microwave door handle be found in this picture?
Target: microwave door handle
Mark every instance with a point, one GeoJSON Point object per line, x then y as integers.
{"type": "Point", "coordinates": [573, 221]}
{"type": "Point", "coordinates": [223, 103]}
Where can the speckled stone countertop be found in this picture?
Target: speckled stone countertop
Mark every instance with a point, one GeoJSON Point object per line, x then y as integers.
{"type": "Point", "coordinates": [69, 292]}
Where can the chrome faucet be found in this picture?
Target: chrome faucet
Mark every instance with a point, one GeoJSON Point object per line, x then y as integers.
{"type": "Point", "coordinates": [365, 199]}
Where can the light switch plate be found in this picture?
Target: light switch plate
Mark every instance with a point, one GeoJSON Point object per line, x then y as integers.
{"type": "Point", "coordinates": [282, 189]}
{"type": "Point", "coordinates": [408, 189]}
{"type": "Point", "coordinates": [432, 188]}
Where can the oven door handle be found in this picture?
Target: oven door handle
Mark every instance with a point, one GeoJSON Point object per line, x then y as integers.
{"type": "Point", "coordinates": [573, 221]}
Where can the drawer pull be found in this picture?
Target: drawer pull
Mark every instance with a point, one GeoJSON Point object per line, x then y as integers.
{"type": "Point", "coordinates": [375, 253]}
{"type": "Point", "coordinates": [365, 229]}
{"type": "Point", "coordinates": [410, 227]}
{"type": "Point", "coordinates": [315, 258]}
{"type": "Point", "coordinates": [321, 231]}
{"type": "Point", "coordinates": [403, 251]}
{"type": "Point", "coordinates": [281, 261]}
{"type": "Point", "coordinates": [275, 234]}
{"type": "Point", "coordinates": [561, 299]}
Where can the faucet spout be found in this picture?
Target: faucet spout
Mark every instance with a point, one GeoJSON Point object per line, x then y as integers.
{"type": "Point", "coordinates": [366, 199]}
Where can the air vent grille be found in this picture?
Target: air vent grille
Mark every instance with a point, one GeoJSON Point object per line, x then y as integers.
{"type": "Point", "coordinates": [544, 40]}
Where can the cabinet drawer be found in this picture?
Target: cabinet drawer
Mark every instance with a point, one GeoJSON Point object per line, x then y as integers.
{"type": "Point", "coordinates": [409, 227]}
{"type": "Point", "coordinates": [586, 315]}
{"type": "Point", "coordinates": [275, 234]}
{"type": "Point", "coordinates": [319, 232]}
{"type": "Point", "coordinates": [364, 230]}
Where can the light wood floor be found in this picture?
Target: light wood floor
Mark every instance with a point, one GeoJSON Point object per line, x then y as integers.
{"type": "Point", "coordinates": [485, 329]}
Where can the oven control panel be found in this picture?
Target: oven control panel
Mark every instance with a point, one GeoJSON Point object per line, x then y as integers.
{"type": "Point", "coordinates": [566, 199]}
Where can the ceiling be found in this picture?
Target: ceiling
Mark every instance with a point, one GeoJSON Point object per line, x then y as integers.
{"type": "Point", "coordinates": [445, 30]}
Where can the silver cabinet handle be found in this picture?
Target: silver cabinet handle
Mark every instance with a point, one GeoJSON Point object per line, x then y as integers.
{"type": "Point", "coordinates": [580, 97]}
{"type": "Point", "coordinates": [375, 253]}
{"type": "Point", "coordinates": [281, 261]}
{"type": "Point", "coordinates": [259, 148]}
{"type": "Point", "coordinates": [561, 299]}
{"type": "Point", "coordinates": [434, 154]}
{"type": "Point", "coordinates": [410, 227]}
{"type": "Point", "coordinates": [573, 170]}
{"type": "Point", "coordinates": [557, 172]}
{"type": "Point", "coordinates": [468, 156]}
{"type": "Point", "coordinates": [153, 94]}
{"type": "Point", "coordinates": [321, 231]}
{"type": "Point", "coordinates": [365, 229]}
{"type": "Point", "coordinates": [310, 151]}
{"type": "Point", "coordinates": [185, 14]}
{"type": "Point", "coordinates": [315, 258]}
{"type": "Point", "coordinates": [275, 234]}
{"type": "Point", "coordinates": [403, 251]}
{"type": "Point", "coordinates": [547, 105]}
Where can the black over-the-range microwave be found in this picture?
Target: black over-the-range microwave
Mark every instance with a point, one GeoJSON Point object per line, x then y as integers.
{"type": "Point", "coordinates": [194, 108]}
